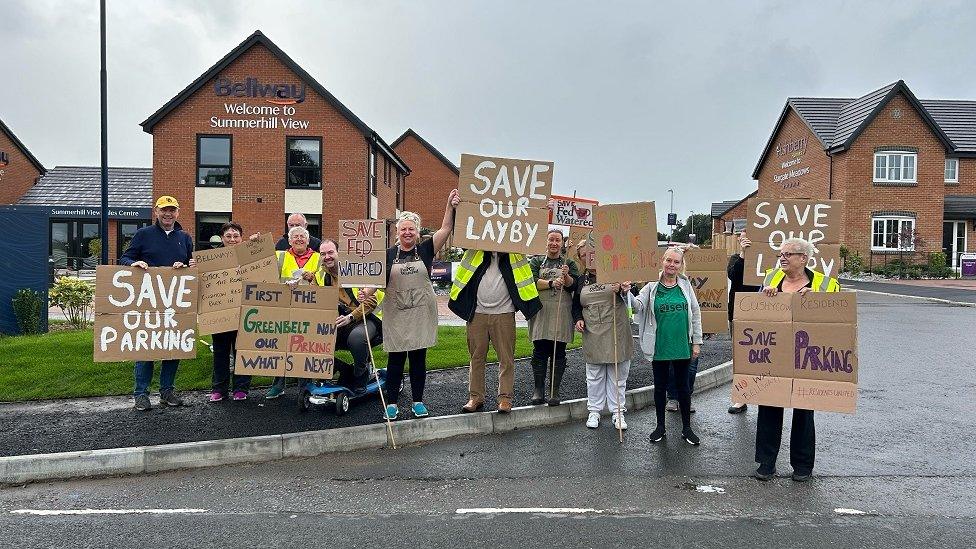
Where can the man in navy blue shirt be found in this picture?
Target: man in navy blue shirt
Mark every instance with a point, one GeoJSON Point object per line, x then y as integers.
{"type": "Point", "coordinates": [163, 244]}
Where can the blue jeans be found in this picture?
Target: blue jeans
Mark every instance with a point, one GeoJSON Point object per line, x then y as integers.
{"type": "Point", "coordinates": [692, 371]}
{"type": "Point", "coordinates": [144, 374]}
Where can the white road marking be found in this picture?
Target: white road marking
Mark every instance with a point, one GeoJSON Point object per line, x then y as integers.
{"type": "Point", "coordinates": [849, 512]}
{"type": "Point", "coordinates": [55, 512]}
{"type": "Point", "coordinates": [709, 489]}
{"type": "Point", "coordinates": [500, 510]}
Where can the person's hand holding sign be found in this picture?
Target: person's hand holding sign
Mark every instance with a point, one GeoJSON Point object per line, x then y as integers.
{"type": "Point", "coordinates": [695, 350]}
{"type": "Point", "coordinates": [308, 276]}
{"type": "Point", "coordinates": [556, 283]}
{"type": "Point", "coordinates": [580, 325]}
{"type": "Point", "coordinates": [454, 198]}
{"type": "Point", "coordinates": [140, 264]}
{"type": "Point", "coordinates": [179, 265]}
{"type": "Point", "coordinates": [625, 287]}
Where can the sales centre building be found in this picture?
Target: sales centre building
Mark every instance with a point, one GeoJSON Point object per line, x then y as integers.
{"type": "Point", "coordinates": [255, 138]}
{"type": "Point", "coordinates": [904, 167]}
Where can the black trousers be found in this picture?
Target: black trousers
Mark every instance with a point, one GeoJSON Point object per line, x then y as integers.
{"type": "Point", "coordinates": [352, 337]}
{"type": "Point", "coordinates": [769, 434]}
{"type": "Point", "coordinates": [394, 374]}
{"type": "Point", "coordinates": [223, 343]}
{"type": "Point", "coordinates": [542, 349]}
{"type": "Point", "coordinates": [663, 370]}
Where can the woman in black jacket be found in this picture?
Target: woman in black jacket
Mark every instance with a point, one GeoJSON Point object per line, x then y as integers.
{"type": "Point", "coordinates": [736, 271]}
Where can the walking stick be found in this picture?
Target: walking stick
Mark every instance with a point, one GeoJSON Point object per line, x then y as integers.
{"type": "Point", "coordinates": [552, 362]}
{"type": "Point", "coordinates": [616, 384]}
{"type": "Point", "coordinates": [389, 425]}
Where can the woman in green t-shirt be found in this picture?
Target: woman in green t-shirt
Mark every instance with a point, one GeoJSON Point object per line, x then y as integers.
{"type": "Point", "coordinates": [670, 333]}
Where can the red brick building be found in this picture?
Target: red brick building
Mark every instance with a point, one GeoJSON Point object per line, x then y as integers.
{"type": "Point", "coordinates": [255, 138]}
{"type": "Point", "coordinates": [905, 169]}
{"type": "Point", "coordinates": [432, 176]}
{"type": "Point", "coordinates": [19, 170]}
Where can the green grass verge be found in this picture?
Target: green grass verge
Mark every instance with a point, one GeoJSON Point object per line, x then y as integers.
{"type": "Point", "coordinates": [59, 365]}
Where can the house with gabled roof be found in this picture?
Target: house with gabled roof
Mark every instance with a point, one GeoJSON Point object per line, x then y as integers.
{"type": "Point", "coordinates": [904, 167]}
{"type": "Point", "coordinates": [19, 169]}
{"type": "Point", "coordinates": [432, 176]}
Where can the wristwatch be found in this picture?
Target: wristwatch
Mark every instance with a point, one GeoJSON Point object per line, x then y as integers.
{"type": "Point", "coordinates": [550, 283]}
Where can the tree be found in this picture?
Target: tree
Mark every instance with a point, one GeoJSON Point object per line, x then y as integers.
{"type": "Point", "coordinates": [697, 224]}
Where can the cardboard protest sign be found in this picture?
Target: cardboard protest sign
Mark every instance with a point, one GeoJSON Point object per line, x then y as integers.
{"type": "Point", "coordinates": [145, 314]}
{"type": "Point", "coordinates": [287, 330]}
{"type": "Point", "coordinates": [587, 252]}
{"type": "Point", "coordinates": [504, 204]}
{"type": "Point", "coordinates": [362, 253]}
{"type": "Point", "coordinates": [625, 236]}
{"type": "Point", "coordinates": [706, 270]}
{"type": "Point", "coordinates": [771, 221]}
{"type": "Point", "coordinates": [222, 271]}
{"type": "Point", "coordinates": [796, 350]}
{"type": "Point", "coordinates": [572, 211]}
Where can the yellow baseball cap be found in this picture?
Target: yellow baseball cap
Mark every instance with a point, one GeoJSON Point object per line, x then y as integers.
{"type": "Point", "coordinates": [167, 201]}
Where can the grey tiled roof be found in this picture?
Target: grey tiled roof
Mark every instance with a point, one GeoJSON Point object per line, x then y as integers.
{"type": "Point", "coordinates": [960, 205]}
{"type": "Point", "coordinates": [854, 114]}
{"type": "Point", "coordinates": [82, 186]}
{"type": "Point", "coordinates": [956, 118]}
{"type": "Point", "coordinates": [820, 114]}
{"type": "Point", "coordinates": [719, 208]}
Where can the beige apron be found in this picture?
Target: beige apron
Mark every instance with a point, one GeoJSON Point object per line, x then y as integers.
{"type": "Point", "coordinates": [598, 302]}
{"type": "Point", "coordinates": [543, 325]}
{"type": "Point", "coordinates": [409, 309]}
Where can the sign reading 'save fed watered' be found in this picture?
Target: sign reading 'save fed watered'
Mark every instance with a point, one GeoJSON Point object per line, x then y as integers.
{"type": "Point", "coordinates": [278, 115]}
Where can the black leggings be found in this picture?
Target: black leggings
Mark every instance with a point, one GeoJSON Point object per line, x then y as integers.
{"type": "Point", "coordinates": [662, 371]}
{"type": "Point", "coordinates": [394, 374]}
{"type": "Point", "coordinates": [542, 350]}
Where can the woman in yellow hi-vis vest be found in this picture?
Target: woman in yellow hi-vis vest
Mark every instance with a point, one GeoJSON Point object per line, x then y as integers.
{"type": "Point", "coordinates": [792, 275]}
{"type": "Point", "coordinates": [297, 265]}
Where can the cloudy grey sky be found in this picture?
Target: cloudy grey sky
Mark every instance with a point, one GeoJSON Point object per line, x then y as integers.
{"type": "Point", "coordinates": [628, 99]}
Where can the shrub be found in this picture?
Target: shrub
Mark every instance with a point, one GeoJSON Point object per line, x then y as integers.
{"type": "Point", "coordinates": [74, 296]}
{"type": "Point", "coordinates": [855, 264]}
{"type": "Point", "coordinates": [28, 306]}
{"type": "Point", "coordinates": [938, 267]}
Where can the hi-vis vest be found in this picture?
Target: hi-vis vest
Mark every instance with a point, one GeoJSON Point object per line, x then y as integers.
{"type": "Point", "coordinates": [287, 264]}
{"type": "Point", "coordinates": [520, 268]}
{"type": "Point", "coordinates": [820, 283]}
{"type": "Point", "coordinates": [320, 279]}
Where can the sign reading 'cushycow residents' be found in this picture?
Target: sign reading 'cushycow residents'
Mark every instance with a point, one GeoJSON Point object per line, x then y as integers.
{"type": "Point", "coordinates": [504, 204]}
{"type": "Point", "coordinates": [145, 314]}
{"type": "Point", "coordinates": [769, 222]}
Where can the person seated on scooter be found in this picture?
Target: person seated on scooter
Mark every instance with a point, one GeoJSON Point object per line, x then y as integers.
{"type": "Point", "coordinates": [350, 329]}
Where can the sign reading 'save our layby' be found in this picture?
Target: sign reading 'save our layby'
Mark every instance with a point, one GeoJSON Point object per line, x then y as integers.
{"type": "Point", "coordinates": [625, 236]}
{"type": "Point", "coordinates": [287, 330]}
{"type": "Point", "coordinates": [769, 222]}
{"type": "Point", "coordinates": [504, 204]}
{"type": "Point", "coordinates": [362, 253]}
{"type": "Point", "coordinates": [145, 314]}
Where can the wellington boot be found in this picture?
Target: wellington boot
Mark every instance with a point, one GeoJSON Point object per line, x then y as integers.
{"type": "Point", "coordinates": [554, 399]}
{"type": "Point", "coordinates": [539, 381]}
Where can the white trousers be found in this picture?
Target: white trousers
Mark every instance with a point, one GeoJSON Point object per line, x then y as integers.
{"type": "Point", "coordinates": [602, 392]}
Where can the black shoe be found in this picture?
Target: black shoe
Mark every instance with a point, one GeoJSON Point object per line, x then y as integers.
{"type": "Point", "coordinates": [690, 437]}
{"type": "Point", "coordinates": [737, 409]}
{"type": "Point", "coordinates": [554, 402]}
{"type": "Point", "coordinates": [658, 434]}
{"type": "Point", "coordinates": [801, 477]}
{"type": "Point", "coordinates": [764, 474]}
{"type": "Point", "coordinates": [169, 398]}
{"type": "Point", "coordinates": [358, 391]}
{"type": "Point", "coordinates": [142, 403]}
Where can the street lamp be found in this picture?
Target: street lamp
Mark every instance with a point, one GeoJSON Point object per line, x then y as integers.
{"type": "Point", "coordinates": [671, 191]}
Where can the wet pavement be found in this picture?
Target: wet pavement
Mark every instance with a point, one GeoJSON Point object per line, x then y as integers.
{"type": "Point", "coordinates": [896, 474]}
{"type": "Point", "coordinates": [963, 291]}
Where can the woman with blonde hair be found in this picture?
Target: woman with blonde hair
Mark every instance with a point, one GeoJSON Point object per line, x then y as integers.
{"type": "Point", "coordinates": [410, 307]}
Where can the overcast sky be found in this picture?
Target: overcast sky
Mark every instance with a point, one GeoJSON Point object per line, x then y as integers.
{"type": "Point", "coordinates": [628, 99]}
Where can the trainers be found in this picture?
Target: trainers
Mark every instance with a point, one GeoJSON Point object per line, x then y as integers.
{"type": "Point", "coordinates": [801, 477]}
{"type": "Point", "coordinates": [737, 408]}
{"type": "Point", "coordinates": [419, 410]}
{"type": "Point", "coordinates": [764, 473]}
{"type": "Point", "coordinates": [658, 434]}
{"type": "Point", "coordinates": [593, 421]}
{"type": "Point", "coordinates": [391, 412]}
{"type": "Point", "coordinates": [240, 395]}
{"type": "Point", "coordinates": [169, 398]}
{"type": "Point", "coordinates": [216, 396]}
{"type": "Point", "coordinates": [691, 408]}
{"type": "Point", "coordinates": [690, 437]}
{"type": "Point", "coordinates": [672, 406]}
{"type": "Point", "coordinates": [142, 403]}
{"type": "Point", "coordinates": [619, 422]}
{"type": "Point", "coordinates": [275, 391]}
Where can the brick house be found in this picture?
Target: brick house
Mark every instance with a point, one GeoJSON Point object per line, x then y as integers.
{"type": "Point", "coordinates": [432, 176]}
{"type": "Point", "coordinates": [905, 169]}
{"type": "Point", "coordinates": [19, 170]}
{"type": "Point", "coordinates": [255, 137]}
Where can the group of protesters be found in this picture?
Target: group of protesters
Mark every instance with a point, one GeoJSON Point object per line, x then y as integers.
{"type": "Point", "coordinates": [557, 293]}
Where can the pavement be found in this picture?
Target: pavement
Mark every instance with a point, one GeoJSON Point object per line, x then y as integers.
{"type": "Point", "coordinates": [897, 474]}
{"type": "Point", "coordinates": [961, 291]}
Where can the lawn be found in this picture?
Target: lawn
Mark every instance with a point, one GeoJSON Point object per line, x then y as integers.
{"type": "Point", "coordinates": [59, 365]}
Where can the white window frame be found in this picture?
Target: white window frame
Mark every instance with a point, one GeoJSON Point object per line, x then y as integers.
{"type": "Point", "coordinates": [886, 220]}
{"type": "Point", "coordinates": [893, 166]}
{"type": "Point", "coordinates": [955, 170]}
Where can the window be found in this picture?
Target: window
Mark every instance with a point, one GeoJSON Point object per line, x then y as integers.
{"type": "Point", "coordinates": [74, 243]}
{"type": "Point", "coordinates": [891, 233]}
{"type": "Point", "coordinates": [372, 171]}
{"type": "Point", "coordinates": [304, 169]}
{"type": "Point", "coordinates": [894, 167]}
{"type": "Point", "coordinates": [399, 191]}
{"type": "Point", "coordinates": [127, 229]}
{"type": "Point", "coordinates": [952, 170]}
{"type": "Point", "coordinates": [213, 160]}
{"type": "Point", "coordinates": [208, 226]}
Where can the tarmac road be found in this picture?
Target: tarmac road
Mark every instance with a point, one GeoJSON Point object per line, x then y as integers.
{"type": "Point", "coordinates": [904, 460]}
